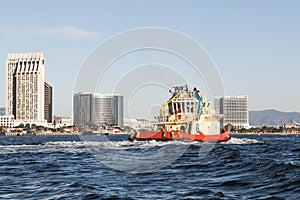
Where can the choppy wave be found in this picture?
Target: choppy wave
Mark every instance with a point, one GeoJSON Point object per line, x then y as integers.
{"type": "Point", "coordinates": [234, 140]}
{"type": "Point", "coordinates": [151, 143]}
{"type": "Point", "coordinates": [79, 144]}
{"type": "Point", "coordinates": [246, 167]}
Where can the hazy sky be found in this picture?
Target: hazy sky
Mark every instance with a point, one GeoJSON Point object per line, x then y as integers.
{"type": "Point", "coordinates": [255, 44]}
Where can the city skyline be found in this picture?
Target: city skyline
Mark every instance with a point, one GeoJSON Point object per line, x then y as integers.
{"type": "Point", "coordinates": [254, 44]}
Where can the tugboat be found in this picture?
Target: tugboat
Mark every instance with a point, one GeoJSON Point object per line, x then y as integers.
{"type": "Point", "coordinates": [185, 116]}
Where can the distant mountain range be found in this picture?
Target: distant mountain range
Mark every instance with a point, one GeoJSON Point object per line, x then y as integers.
{"type": "Point", "coordinates": [272, 117]}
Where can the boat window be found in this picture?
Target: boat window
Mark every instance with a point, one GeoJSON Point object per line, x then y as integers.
{"type": "Point", "coordinates": [187, 106]}
{"type": "Point", "coordinates": [170, 106]}
{"type": "Point", "coordinates": [192, 107]}
{"type": "Point", "coordinates": [174, 107]}
{"type": "Point", "coordinates": [183, 107]}
{"type": "Point", "coordinates": [195, 106]}
{"type": "Point", "coordinates": [178, 107]}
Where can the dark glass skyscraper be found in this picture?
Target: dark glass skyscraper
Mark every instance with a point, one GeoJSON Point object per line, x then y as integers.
{"type": "Point", "coordinates": [48, 102]}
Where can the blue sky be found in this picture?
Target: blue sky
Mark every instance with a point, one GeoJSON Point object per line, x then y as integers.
{"type": "Point", "coordinates": [255, 44]}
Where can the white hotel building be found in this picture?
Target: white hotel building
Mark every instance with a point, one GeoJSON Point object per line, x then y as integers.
{"type": "Point", "coordinates": [25, 87]}
{"type": "Point", "coordinates": [234, 109]}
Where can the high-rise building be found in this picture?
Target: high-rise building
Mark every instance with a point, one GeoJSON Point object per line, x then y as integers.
{"type": "Point", "coordinates": [25, 86]}
{"type": "Point", "coordinates": [48, 102]}
{"type": "Point", "coordinates": [108, 109]}
{"type": "Point", "coordinates": [234, 109]}
{"type": "Point", "coordinates": [99, 109]}
{"type": "Point", "coordinates": [82, 108]}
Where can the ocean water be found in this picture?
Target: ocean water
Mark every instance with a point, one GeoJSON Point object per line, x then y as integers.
{"type": "Point", "coordinates": [247, 167]}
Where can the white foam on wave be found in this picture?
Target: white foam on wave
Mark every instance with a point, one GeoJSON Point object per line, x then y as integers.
{"type": "Point", "coordinates": [65, 143]}
{"type": "Point", "coordinates": [11, 149]}
{"type": "Point", "coordinates": [242, 141]}
{"type": "Point", "coordinates": [117, 144]}
{"type": "Point", "coordinates": [47, 147]}
{"type": "Point", "coordinates": [154, 143]}
{"type": "Point", "coordinates": [79, 146]}
{"type": "Point", "coordinates": [135, 144]}
{"type": "Point", "coordinates": [17, 146]}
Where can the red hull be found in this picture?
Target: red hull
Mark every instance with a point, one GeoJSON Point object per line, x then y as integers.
{"type": "Point", "coordinates": [175, 135]}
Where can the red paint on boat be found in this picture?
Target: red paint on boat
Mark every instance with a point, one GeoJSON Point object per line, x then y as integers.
{"type": "Point", "coordinates": [176, 135]}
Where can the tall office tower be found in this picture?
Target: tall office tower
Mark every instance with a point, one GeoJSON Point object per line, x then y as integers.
{"type": "Point", "coordinates": [82, 108]}
{"type": "Point", "coordinates": [100, 109]}
{"type": "Point", "coordinates": [25, 86]}
{"type": "Point", "coordinates": [108, 109]}
{"type": "Point", "coordinates": [234, 109]}
{"type": "Point", "coordinates": [48, 102]}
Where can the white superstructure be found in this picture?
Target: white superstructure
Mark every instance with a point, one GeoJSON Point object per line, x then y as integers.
{"type": "Point", "coordinates": [25, 86]}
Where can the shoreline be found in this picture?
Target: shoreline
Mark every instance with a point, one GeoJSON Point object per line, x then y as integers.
{"type": "Point", "coordinates": [262, 133]}
{"type": "Point", "coordinates": [9, 134]}
{"type": "Point", "coordinates": [13, 134]}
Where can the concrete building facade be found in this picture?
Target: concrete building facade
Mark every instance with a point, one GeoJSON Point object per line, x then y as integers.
{"type": "Point", "coordinates": [25, 86]}
{"type": "Point", "coordinates": [234, 109]}
{"type": "Point", "coordinates": [108, 109]}
{"type": "Point", "coordinates": [99, 109]}
{"type": "Point", "coordinates": [82, 108]}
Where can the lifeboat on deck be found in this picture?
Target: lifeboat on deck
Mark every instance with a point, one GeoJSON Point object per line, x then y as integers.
{"type": "Point", "coordinates": [185, 116]}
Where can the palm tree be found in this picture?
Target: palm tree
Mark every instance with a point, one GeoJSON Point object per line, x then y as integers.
{"type": "Point", "coordinates": [229, 127]}
{"type": "Point", "coordinates": [264, 129]}
{"type": "Point", "coordinates": [33, 126]}
{"type": "Point", "coordinates": [54, 124]}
